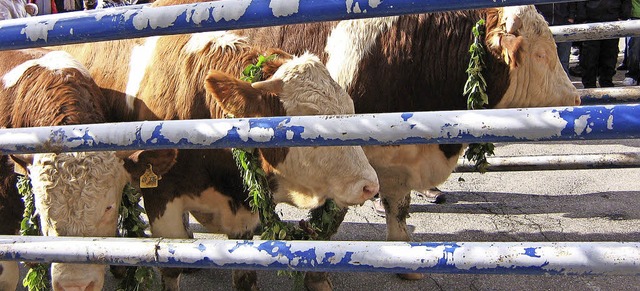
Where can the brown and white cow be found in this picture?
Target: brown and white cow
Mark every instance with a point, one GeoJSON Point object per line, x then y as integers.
{"type": "Point", "coordinates": [76, 194]}
{"type": "Point", "coordinates": [417, 63]}
{"type": "Point", "coordinates": [196, 76]}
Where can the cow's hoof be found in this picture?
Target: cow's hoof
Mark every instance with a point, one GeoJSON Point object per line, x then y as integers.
{"type": "Point", "coordinates": [411, 276]}
{"type": "Point", "coordinates": [317, 281]}
{"type": "Point", "coordinates": [118, 272]}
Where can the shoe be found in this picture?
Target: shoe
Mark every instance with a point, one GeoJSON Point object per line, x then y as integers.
{"type": "Point", "coordinates": [628, 81]}
{"type": "Point", "coordinates": [575, 51]}
{"type": "Point", "coordinates": [575, 71]}
{"type": "Point", "coordinates": [607, 84]}
{"type": "Point", "coordinates": [622, 67]}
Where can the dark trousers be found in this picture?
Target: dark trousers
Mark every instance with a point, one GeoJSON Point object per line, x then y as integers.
{"type": "Point", "coordinates": [633, 58]}
{"type": "Point", "coordinates": [598, 59]}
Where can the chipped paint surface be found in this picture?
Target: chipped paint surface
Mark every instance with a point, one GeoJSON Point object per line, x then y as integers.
{"type": "Point", "coordinates": [501, 125]}
{"type": "Point", "coordinates": [284, 7]}
{"type": "Point", "coordinates": [230, 10]}
{"type": "Point", "coordinates": [568, 258]}
{"type": "Point", "coordinates": [142, 21]}
{"type": "Point", "coordinates": [594, 31]}
{"type": "Point", "coordinates": [580, 124]}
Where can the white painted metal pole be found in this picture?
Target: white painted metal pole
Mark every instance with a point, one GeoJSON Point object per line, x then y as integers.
{"type": "Point", "coordinates": [348, 256]}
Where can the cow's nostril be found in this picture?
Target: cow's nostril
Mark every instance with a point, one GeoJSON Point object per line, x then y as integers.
{"type": "Point", "coordinates": [578, 101]}
{"type": "Point", "coordinates": [368, 191]}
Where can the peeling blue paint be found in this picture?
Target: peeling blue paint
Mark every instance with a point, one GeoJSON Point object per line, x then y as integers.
{"type": "Point", "coordinates": [136, 21]}
{"type": "Point", "coordinates": [531, 252]}
{"type": "Point", "coordinates": [406, 116]}
{"type": "Point", "coordinates": [602, 122]}
{"type": "Point", "coordinates": [202, 247]}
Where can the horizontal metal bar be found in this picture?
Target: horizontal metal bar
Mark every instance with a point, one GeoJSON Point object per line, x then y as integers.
{"type": "Point", "coordinates": [569, 258]}
{"type": "Point", "coordinates": [465, 126]}
{"type": "Point", "coordinates": [552, 163]}
{"type": "Point", "coordinates": [593, 31]}
{"type": "Point", "coordinates": [610, 95]}
{"type": "Point", "coordinates": [140, 21]}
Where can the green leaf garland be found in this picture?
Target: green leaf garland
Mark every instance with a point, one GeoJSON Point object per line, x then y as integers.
{"type": "Point", "coordinates": [476, 91]}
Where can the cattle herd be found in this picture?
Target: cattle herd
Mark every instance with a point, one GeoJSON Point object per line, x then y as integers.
{"type": "Point", "coordinates": [391, 64]}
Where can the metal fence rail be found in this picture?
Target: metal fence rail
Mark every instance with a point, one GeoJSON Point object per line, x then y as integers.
{"type": "Point", "coordinates": [556, 162]}
{"type": "Point", "coordinates": [627, 94]}
{"type": "Point", "coordinates": [592, 31]}
{"type": "Point", "coordinates": [140, 20]}
{"type": "Point", "coordinates": [569, 258]}
{"type": "Point", "coordinates": [466, 126]}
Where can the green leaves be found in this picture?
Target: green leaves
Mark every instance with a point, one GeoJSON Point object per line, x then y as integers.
{"type": "Point", "coordinates": [253, 73]}
{"type": "Point", "coordinates": [478, 152]}
{"type": "Point", "coordinates": [130, 224]}
{"type": "Point", "coordinates": [476, 86]}
{"type": "Point", "coordinates": [37, 278]}
{"type": "Point", "coordinates": [476, 91]}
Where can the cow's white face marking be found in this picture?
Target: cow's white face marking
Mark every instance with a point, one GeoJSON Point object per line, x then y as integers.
{"type": "Point", "coordinates": [53, 61]}
{"type": "Point", "coordinates": [349, 42]}
{"type": "Point", "coordinates": [340, 173]}
{"type": "Point", "coordinates": [219, 40]}
{"type": "Point", "coordinates": [140, 60]}
{"type": "Point", "coordinates": [78, 194]}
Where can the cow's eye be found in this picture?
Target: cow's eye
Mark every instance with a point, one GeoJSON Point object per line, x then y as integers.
{"type": "Point", "coordinates": [108, 208]}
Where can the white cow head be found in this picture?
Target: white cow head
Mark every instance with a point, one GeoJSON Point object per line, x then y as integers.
{"type": "Point", "coordinates": [521, 37]}
{"type": "Point", "coordinates": [77, 194]}
{"type": "Point", "coordinates": [305, 176]}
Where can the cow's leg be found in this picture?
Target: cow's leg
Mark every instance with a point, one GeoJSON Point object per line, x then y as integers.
{"type": "Point", "coordinates": [244, 279]}
{"type": "Point", "coordinates": [397, 209]}
{"type": "Point", "coordinates": [320, 281]}
{"type": "Point", "coordinates": [9, 275]}
{"type": "Point", "coordinates": [169, 225]}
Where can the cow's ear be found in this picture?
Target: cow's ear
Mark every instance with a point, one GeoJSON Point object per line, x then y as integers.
{"type": "Point", "coordinates": [511, 45]}
{"type": "Point", "coordinates": [502, 39]}
{"type": "Point", "coordinates": [21, 162]}
{"type": "Point", "coordinates": [234, 96]}
{"type": "Point", "coordinates": [137, 162]}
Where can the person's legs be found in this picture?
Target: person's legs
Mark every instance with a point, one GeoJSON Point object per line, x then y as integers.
{"type": "Point", "coordinates": [608, 59]}
{"type": "Point", "coordinates": [589, 55]}
{"type": "Point", "coordinates": [564, 51]}
{"type": "Point", "coordinates": [633, 62]}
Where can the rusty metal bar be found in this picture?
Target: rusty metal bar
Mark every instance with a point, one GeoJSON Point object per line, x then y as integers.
{"type": "Point", "coordinates": [559, 162]}
{"type": "Point", "coordinates": [592, 31]}
{"type": "Point", "coordinates": [629, 94]}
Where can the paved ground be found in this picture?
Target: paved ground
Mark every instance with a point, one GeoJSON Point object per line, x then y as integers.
{"type": "Point", "coordinates": [578, 205]}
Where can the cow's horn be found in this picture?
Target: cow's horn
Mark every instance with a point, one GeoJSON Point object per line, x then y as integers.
{"type": "Point", "coordinates": [272, 85]}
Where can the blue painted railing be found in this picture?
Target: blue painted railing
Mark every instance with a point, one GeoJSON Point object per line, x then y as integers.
{"type": "Point", "coordinates": [140, 20]}
{"type": "Point", "coordinates": [468, 126]}
{"type": "Point", "coordinates": [567, 258]}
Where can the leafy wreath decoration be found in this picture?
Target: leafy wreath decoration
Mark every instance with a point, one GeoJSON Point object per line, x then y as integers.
{"type": "Point", "coordinates": [476, 91]}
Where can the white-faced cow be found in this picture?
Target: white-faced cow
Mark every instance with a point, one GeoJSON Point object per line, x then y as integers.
{"type": "Point", "coordinates": [417, 63]}
{"type": "Point", "coordinates": [76, 194]}
{"type": "Point", "coordinates": [196, 76]}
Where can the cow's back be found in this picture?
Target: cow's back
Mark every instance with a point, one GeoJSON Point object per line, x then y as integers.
{"type": "Point", "coordinates": [393, 64]}
{"type": "Point", "coordinates": [43, 88]}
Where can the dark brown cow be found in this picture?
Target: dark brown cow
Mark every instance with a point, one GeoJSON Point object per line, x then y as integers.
{"type": "Point", "coordinates": [417, 63]}
{"type": "Point", "coordinates": [196, 76]}
{"type": "Point", "coordinates": [75, 194]}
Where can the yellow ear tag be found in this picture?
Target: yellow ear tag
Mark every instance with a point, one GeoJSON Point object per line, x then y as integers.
{"type": "Point", "coordinates": [149, 179]}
